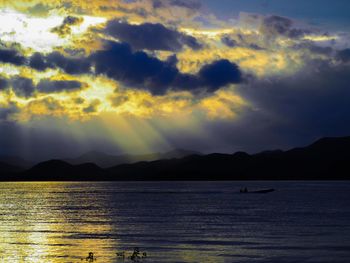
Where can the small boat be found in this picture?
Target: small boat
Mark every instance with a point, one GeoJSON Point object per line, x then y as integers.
{"type": "Point", "coordinates": [264, 191]}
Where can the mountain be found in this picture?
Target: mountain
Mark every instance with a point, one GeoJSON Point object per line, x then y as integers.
{"type": "Point", "coordinates": [326, 159]}
{"type": "Point", "coordinates": [6, 168]}
{"type": "Point", "coordinates": [106, 160]}
{"type": "Point", "coordinates": [15, 161]}
{"type": "Point", "coordinates": [62, 171]}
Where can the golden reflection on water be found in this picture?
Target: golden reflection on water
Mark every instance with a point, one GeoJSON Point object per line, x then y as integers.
{"type": "Point", "coordinates": [63, 222]}
{"type": "Point", "coordinates": [40, 225]}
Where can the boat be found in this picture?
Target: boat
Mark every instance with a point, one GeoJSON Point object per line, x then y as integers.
{"type": "Point", "coordinates": [264, 191]}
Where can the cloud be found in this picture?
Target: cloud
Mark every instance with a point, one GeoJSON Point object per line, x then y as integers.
{"type": "Point", "coordinates": [278, 25]}
{"type": "Point", "coordinates": [228, 41]}
{"type": "Point", "coordinates": [138, 69]}
{"type": "Point", "coordinates": [23, 87]}
{"type": "Point", "coordinates": [135, 69]}
{"type": "Point", "coordinates": [283, 112]}
{"type": "Point", "coordinates": [190, 4]}
{"type": "Point", "coordinates": [65, 28]}
{"type": "Point", "coordinates": [11, 56]}
{"type": "Point", "coordinates": [220, 73]}
{"type": "Point", "coordinates": [7, 110]}
{"type": "Point", "coordinates": [38, 62]}
{"type": "Point", "coordinates": [56, 86]}
{"type": "Point", "coordinates": [3, 84]}
{"type": "Point", "coordinates": [118, 100]}
{"type": "Point", "coordinates": [39, 10]}
{"type": "Point", "coordinates": [344, 55]}
{"type": "Point", "coordinates": [93, 106]}
{"type": "Point", "coordinates": [150, 36]}
{"type": "Point", "coordinates": [70, 65]}
{"type": "Point", "coordinates": [323, 50]}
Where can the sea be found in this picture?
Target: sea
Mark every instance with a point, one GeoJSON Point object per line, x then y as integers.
{"type": "Point", "coordinates": [301, 221]}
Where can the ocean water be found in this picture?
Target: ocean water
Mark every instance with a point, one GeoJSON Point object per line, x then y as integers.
{"type": "Point", "coordinates": [175, 222]}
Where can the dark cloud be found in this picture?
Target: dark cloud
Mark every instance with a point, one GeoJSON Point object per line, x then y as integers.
{"type": "Point", "coordinates": [278, 25]}
{"type": "Point", "coordinates": [70, 65]}
{"type": "Point", "coordinates": [189, 4]}
{"type": "Point", "coordinates": [240, 41]}
{"type": "Point", "coordinates": [150, 36]}
{"type": "Point", "coordinates": [256, 47]}
{"type": "Point", "coordinates": [55, 86]}
{"type": "Point", "coordinates": [192, 5]}
{"type": "Point", "coordinates": [321, 50]}
{"type": "Point", "coordinates": [23, 87]}
{"type": "Point", "coordinates": [344, 55]}
{"type": "Point", "coordinates": [228, 41]}
{"type": "Point", "coordinates": [135, 69]}
{"type": "Point", "coordinates": [138, 69]}
{"type": "Point", "coordinates": [3, 84]}
{"type": "Point", "coordinates": [37, 61]}
{"type": "Point", "coordinates": [220, 73]}
{"type": "Point", "coordinates": [64, 29]}
{"type": "Point", "coordinates": [6, 112]}
{"type": "Point", "coordinates": [11, 56]}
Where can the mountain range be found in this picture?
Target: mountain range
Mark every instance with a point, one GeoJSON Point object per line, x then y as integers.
{"type": "Point", "coordinates": [325, 159]}
{"type": "Point", "coordinates": [107, 160]}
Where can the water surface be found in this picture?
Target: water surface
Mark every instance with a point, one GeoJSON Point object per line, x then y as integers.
{"type": "Point", "coordinates": [175, 221]}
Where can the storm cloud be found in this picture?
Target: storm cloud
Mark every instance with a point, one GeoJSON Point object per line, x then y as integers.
{"type": "Point", "coordinates": [26, 88]}
{"type": "Point", "coordinates": [135, 69]}
{"type": "Point", "coordinates": [138, 69]}
{"type": "Point", "coordinates": [23, 87]}
{"type": "Point", "coordinates": [56, 86]}
{"type": "Point", "coordinates": [70, 65]}
{"type": "Point", "coordinates": [150, 36]}
{"type": "Point", "coordinates": [11, 56]}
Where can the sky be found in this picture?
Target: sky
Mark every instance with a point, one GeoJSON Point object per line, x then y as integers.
{"type": "Point", "coordinates": [141, 76]}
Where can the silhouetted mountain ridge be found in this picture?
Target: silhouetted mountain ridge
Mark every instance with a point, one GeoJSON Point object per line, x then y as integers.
{"type": "Point", "coordinates": [6, 168]}
{"type": "Point", "coordinates": [16, 161]}
{"type": "Point", "coordinates": [63, 171]}
{"type": "Point", "coordinates": [107, 160]}
{"type": "Point", "coordinates": [325, 159]}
